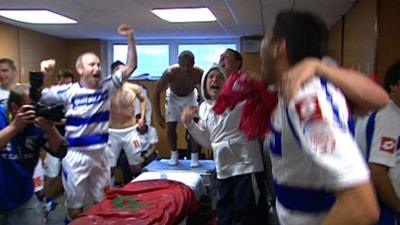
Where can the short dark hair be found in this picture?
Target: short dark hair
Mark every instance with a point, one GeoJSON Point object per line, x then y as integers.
{"type": "Point", "coordinates": [187, 54]}
{"type": "Point", "coordinates": [17, 94]}
{"type": "Point", "coordinates": [116, 64]}
{"type": "Point", "coordinates": [65, 73]}
{"type": "Point", "coordinates": [237, 56]}
{"type": "Point", "coordinates": [10, 63]}
{"type": "Point", "coordinates": [306, 35]}
{"type": "Point", "coordinates": [392, 76]}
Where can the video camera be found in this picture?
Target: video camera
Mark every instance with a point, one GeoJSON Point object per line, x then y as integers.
{"type": "Point", "coordinates": [54, 113]}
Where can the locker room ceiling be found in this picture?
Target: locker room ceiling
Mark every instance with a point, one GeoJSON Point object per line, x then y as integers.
{"type": "Point", "coordinates": [235, 18]}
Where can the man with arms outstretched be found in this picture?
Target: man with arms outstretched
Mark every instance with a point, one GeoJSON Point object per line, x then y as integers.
{"type": "Point", "coordinates": [123, 122]}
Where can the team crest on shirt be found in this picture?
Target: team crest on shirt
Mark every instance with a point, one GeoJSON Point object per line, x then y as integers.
{"type": "Point", "coordinates": [320, 137]}
{"type": "Point", "coordinates": [388, 144]}
{"type": "Point", "coordinates": [308, 108]}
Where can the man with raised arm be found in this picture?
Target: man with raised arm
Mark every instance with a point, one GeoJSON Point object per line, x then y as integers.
{"type": "Point", "coordinates": [123, 121]}
{"type": "Point", "coordinates": [86, 172]}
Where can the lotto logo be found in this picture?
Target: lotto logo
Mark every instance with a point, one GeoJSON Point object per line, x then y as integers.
{"type": "Point", "coordinates": [308, 109]}
{"type": "Point", "coordinates": [388, 144]}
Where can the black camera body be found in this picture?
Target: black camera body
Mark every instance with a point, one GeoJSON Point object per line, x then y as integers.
{"type": "Point", "coordinates": [55, 112]}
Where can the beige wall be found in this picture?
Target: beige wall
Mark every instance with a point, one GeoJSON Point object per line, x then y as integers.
{"type": "Point", "coordinates": [9, 47]}
{"type": "Point", "coordinates": [77, 47]}
{"type": "Point", "coordinates": [360, 35]}
{"type": "Point", "coordinates": [34, 47]}
{"type": "Point", "coordinates": [27, 48]}
{"type": "Point", "coordinates": [388, 50]}
{"type": "Point", "coordinates": [371, 38]}
{"type": "Point", "coordinates": [251, 61]}
{"type": "Point", "coordinates": [335, 42]}
{"type": "Point", "coordinates": [352, 40]}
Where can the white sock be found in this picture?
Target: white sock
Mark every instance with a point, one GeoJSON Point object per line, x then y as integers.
{"type": "Point", "coordinates": [195, 160]}
{"type": "Point", "coordinates": [173, 161]}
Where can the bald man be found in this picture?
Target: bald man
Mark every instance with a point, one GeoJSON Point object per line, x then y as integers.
{"type": "Point", "coordinates": [181, 82]}
{"type": "Point", "coordinates": [86, 173]}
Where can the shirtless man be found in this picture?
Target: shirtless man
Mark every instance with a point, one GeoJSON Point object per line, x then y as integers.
{"type": "Point", "coordinates": [180, 82]}
{"type": "Point", "coordinates": [122, 121]}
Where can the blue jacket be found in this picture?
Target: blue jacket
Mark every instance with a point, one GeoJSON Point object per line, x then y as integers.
{"type": "Point", "coordinates": [17, 163]}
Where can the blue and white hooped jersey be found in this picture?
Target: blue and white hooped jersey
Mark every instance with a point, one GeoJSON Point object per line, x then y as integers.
{"type": "Point", "coordinates": [87, 111]}
{"type": "Point", "coordinates": [313, 153]}
{"type": "Point", "coordinates": [378, 135]}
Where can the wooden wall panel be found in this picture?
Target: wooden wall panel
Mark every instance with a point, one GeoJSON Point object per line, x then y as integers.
{"type": "Point", "coordinates": [76, 47]}
{"type": "Point", "coordinates": [9, 47]}
{"type": "Point", "coordinates": [389, 35]}
{"type": "Point", "coordinates": [360, 36]}
{"type": "Point", "coordinates": [34, 47]}
{"type": "Point", "coordinates": [335, 42]}
{"type": "Point", "coordinates": [251, 60]}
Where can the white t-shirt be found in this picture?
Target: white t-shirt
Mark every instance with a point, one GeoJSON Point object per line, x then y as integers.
{"type": "Point", "coordinates": [4, 94]}
{"type": "Point", "coordinates": [379, 138]}
{"type": "Point", "coordinates": [233, 153]}
{"type": "Point", "coordinates": [313, 153]}
{"type": "Point", "coordinates": [144, 141]}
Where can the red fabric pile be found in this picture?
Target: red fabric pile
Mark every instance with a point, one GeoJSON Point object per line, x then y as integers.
{"type": "Point", "coordinates": [143, 202]}
{"type": "Point", "coordinates": [259, 104]}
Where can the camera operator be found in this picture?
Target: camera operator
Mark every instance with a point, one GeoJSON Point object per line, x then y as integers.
{"type": "Point", "coordinates": [21, 137]}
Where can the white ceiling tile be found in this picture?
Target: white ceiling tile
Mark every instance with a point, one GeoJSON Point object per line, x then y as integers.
{"type": "Point", "coordinates": [99, 18]}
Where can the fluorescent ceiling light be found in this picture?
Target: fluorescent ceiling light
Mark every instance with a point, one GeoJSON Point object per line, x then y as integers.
{"type": "Point", "coordinates": [178, 15]}
{"type": "Point", "coordinates": [41, 16]}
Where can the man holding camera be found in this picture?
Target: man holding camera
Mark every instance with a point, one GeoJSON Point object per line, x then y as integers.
{"type": "Point", "coordinates": [86, 173]}
{"type": "Point", "coordinates": [20, 143]}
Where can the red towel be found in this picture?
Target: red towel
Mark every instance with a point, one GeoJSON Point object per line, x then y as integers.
{"type": "Point", "coordinates": [259, 104]}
